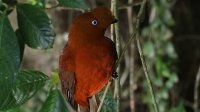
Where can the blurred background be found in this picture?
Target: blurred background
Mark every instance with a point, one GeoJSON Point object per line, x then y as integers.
{"type": "Point", "coordinates": [170, 36]}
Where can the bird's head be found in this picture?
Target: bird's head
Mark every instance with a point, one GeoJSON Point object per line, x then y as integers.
{"type": "Point", "coordinates": [94, 22]}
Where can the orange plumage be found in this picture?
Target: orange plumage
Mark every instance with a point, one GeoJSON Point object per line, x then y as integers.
{"type": "Point", "coordinates": [87, 61]}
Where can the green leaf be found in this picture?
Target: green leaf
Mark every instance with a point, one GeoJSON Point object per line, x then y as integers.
{"type": "Point", "coordinates": [9, 59]}
{"type": "Point", "coordinates": [7, 78]}
{"type": "Point", "coordinates": [76, 4]}
{"type": "Point", "coordinates": [28, 83]}
{"type": "Point", "coordinates": [35, 26]}
{"type": "Point", "coordinates": [55, 80]}
{"type": "Point", "coordinates": [38, 3]}
{"type": "Point", "coordinates": [8, 41]}
{"type": "Point", "coordinates": [170, 50]}
{"type": "Point", "coordinates": [179, 108]}
{"type": "Point", "coordinates": [13, 110]}
{"type": "Point", "coordinates": [148, 49]}
{"type": "Point", "coordinates": [109, 104]}
{"type": "Point", "coordinates": [21, 43]}
{"type": "Point", "coordinates": [55, 102]}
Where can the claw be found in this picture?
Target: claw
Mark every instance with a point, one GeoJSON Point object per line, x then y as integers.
{"type": "Point", "coordinates": [114, 75]}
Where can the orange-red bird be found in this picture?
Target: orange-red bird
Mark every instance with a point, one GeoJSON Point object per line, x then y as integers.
{"type": "Point", "coordinates": [87, 61]}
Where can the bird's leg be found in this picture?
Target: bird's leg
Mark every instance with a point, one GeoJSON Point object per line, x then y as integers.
{"type": "Point", "coordinates": [114, 75]}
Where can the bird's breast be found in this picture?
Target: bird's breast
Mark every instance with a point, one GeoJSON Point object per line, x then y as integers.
{"type": "Point", "coordinates": [93, 69]}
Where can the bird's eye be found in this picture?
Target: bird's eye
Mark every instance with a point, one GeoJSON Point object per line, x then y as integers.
{"type": "Point", "coordinates": [94, 22]}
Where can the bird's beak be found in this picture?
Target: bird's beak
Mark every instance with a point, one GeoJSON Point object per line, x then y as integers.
{"type": "Point", "coordinates": [114, 21]}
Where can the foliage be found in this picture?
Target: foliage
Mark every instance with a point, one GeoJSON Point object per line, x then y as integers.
{"type": "Point", "coordinates": [27, 84]}
{"type": "Point", "coordinates": [9, 59]}
{"type": "Point", "coordinates": [75, 4]}
{"type": "Point", "coordinates": [36, 27]}
{"type": "Point", "coordinates": [35, 30]}
{"type": "Point", "coordinates": [160, 54]}
{"type": "Point", "coordinates": [109, 104]}
{"type": "Point", "coordinates": [54, 102]}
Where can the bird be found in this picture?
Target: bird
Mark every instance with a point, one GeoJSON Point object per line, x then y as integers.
{"type": "Point", "coordinates": [87, 61]}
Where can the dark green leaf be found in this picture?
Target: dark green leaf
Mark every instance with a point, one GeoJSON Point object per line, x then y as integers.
{"type": "Point", "coordinates": [8, 41]}
{"type": "Point", "coordinates": [179, 108]}
{"type": "Point", "coordinates": [7, 78]}
{"type": "Point", "coordinates": [109, 104]}
{"type": "Point", "coordinates": [55, 102]}
{"type": "Point", "coordinates": [2, 7]}
{"type": "Point", "coordinates": [10, 2]}
{"type": "Point", "coordinates": [35, 26]}
{"type": "Point", "coordinates": [21, 43]}
{"type": "Point", "coordinates": [13, 110]}
{"type": "Point", "coordinates": [39, 3]}
{"type": "Point", "coordinates": [9, 59]}
{"type": "Point", "coordinates": [77, 4]}
{"type": "Point", "coordinates": [28, 83]}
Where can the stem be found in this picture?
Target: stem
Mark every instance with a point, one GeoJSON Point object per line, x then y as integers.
{"type": "Point", "coordinates": [196, 92]}
{"type": "Point", "coordinates": [130, 5]}
{"type": "Point", "coordinates": [133, 36]}
{"type": "Point", "coordinates": [112, 26]}
{"type": "Point", "coordinates": [114, 4]}
{"type": "Point", "coordinates": [143, 60]}
{"type": "Point", "coordinates": [132, 59]}
{"type": "Point", "coordinates": [104, 95]}
{"type": "Point", "coordinates": [146, 73]}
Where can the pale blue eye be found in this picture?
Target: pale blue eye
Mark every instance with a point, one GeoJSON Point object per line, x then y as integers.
{"type": "Point", "coordinates": [94, 22]}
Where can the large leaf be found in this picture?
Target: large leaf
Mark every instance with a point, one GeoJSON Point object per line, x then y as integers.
{"type": "Point", "coordinates": [8, 41]}
{"type": "Point", "coordinates": [9, 59]}
{"type": "Point", "coordinates": [55, 103]}
{"type": "Point", "coordinates": [77, 4]}
{"type": "Point", "coordinates": [35, 26]}
{"type": "Point", "coordinates": [28, 83]}
{"type": "Point", "coordinates": [7, 77]}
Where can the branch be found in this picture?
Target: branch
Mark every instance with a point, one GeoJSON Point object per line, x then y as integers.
{"type": "Point", "coordinates": [133, 35]}
{"type": "Point", "coordinates": [114, 4]}
{"type": "Point", "coordinates": [143, 60]}
{"type": "Point", "coordinates": [131, 60]}
{"type": "Point", "coordinates": [147, 74]}
{"type": "Point", "coordinates": [104, 95]}
{"type": "Point", "coordinates": [114, 31]}
{"type": "Point", "coordinates": [196, 92]}
{"type": "Point", "coordinates": [135, 3]}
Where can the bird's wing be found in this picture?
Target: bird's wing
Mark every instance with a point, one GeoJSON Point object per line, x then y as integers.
{"type": "Point", "coordinates": [68, 84]}
{"type": "Point", "coordinates": [67, 76]}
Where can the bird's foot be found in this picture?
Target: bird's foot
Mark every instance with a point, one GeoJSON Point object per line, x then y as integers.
{"type": "Point", "coordinates": [114, 75]}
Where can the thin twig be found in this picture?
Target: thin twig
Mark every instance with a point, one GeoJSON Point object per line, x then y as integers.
{"type": "Point", "coordinates": [133, 35]}
{"type": "Point", "coordinates": [104, 95]}
{"type": "Point", "coordinates": [196, 92]}
{"type": "Point", "coordinates": [143, 60]}
{"type": "Point", "coordinates": [188, 103]}
{"type": "Point", "coordinates": [57, 5]}
{"type": "Point", "coordinates": [52, 7]}
{"type": "Point", "coordinates": [136, 3]}
{"type": "Point", "coordinates": [132, 58]}
{"type": "Point", "coordinates": [117, 91]}
{"type": "Point", "coordinates": [109, 83]}
{"type": "Point", "coordinates": [68, 8]}
{"type": "Point", "coordinates": [147, 74]}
